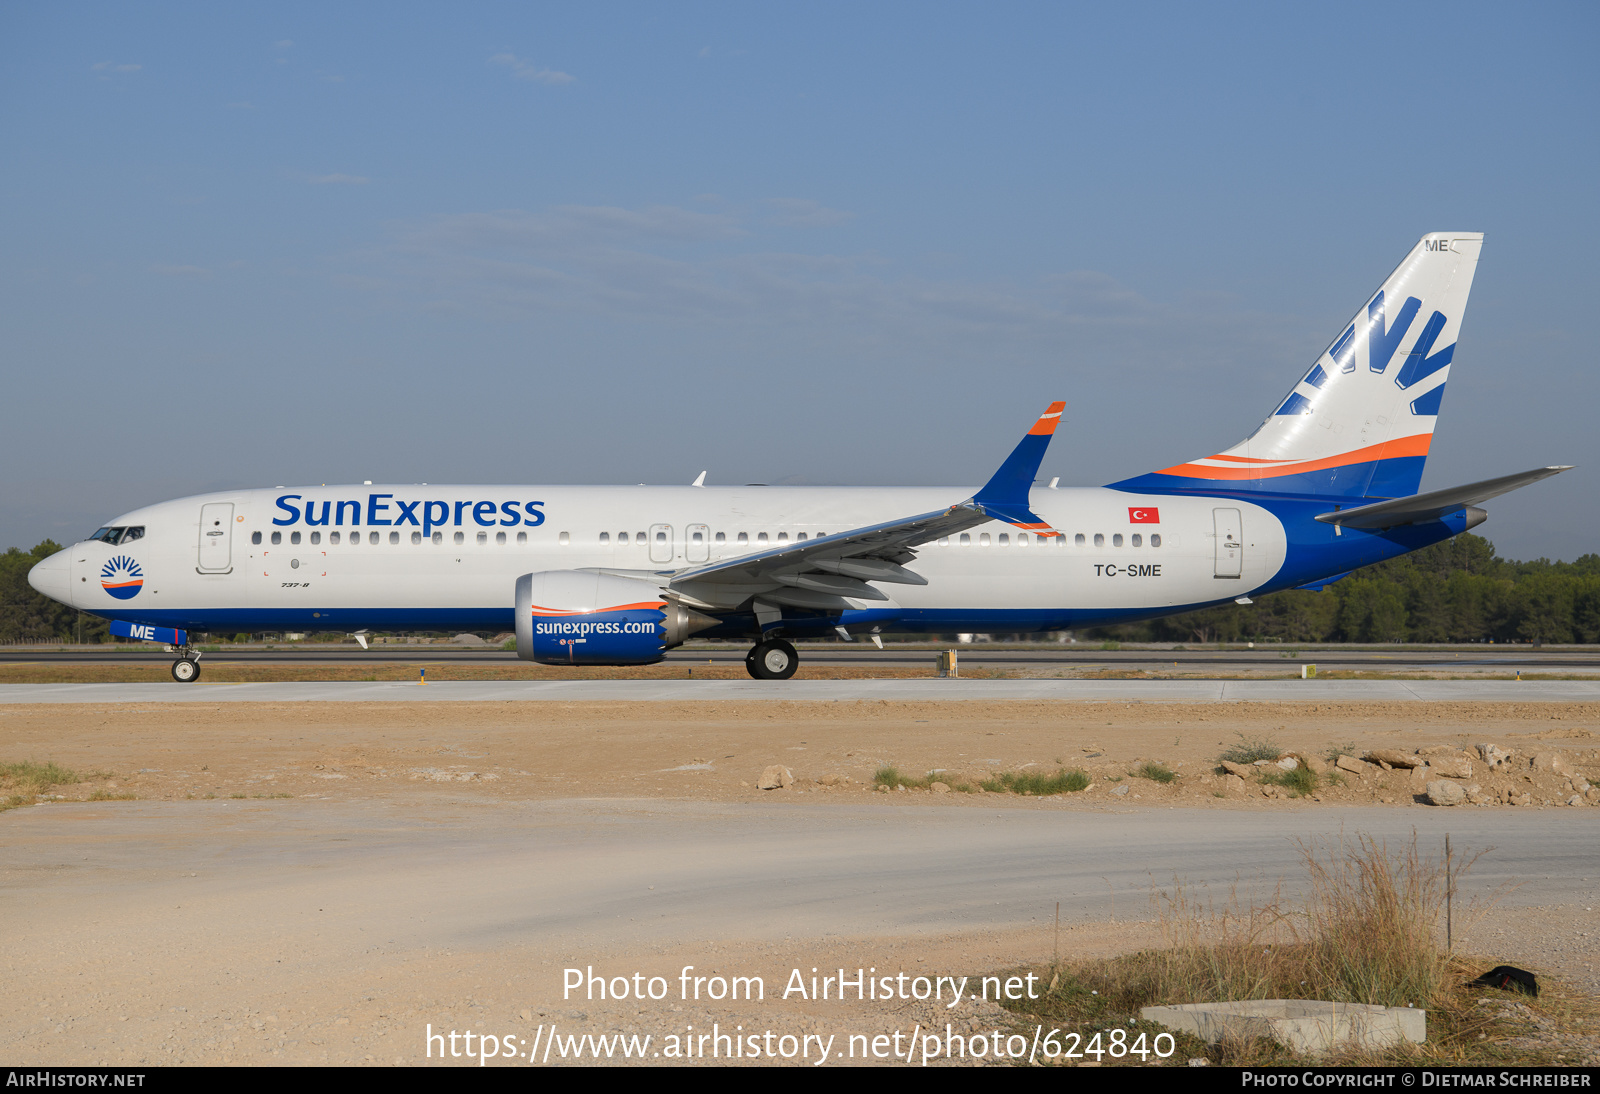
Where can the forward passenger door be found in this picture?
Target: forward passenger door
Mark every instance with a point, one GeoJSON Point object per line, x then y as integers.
{"type": "Point", "coordinates": [216, 538]}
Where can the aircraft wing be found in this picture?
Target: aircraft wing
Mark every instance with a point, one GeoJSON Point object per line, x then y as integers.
{"type": "Point", "coordinates": [819, 573]}
{"type": "Point", "coordinates": [1420, 508]}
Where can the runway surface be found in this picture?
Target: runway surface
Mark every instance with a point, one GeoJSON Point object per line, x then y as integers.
{"type": "Point", "coordinates": [1563, 691]}
{"type": "Point", "coordinates": [660, 872]}
{"type": "Point", "coordinates": [1475, 659]}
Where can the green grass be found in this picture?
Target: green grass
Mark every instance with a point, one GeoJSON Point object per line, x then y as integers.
{"type": "Point", "coordinates": [36, 778]}
{"type": "Point", "coordinates": [1038, 783]}
{"type": "Point", "coordinates": [1111, 645]}
{"type": "Point", "coordinates": [103, 795]}
{"type": "Point", "coordinates": [1301, 781]}
{"type": "Point", "coordinates": [1334, 751]}
{"type": "Point", "coordinates": [1251, 749]}
{"type": "Point", "coordinates": [1157, 772]}
{"type": "Point", "coordinates": [22, 783]}
{"type": "Point", "coordinates": [890, 776]}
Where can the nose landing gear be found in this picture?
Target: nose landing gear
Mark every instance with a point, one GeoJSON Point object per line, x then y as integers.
{"type": "Point", "coordinates": [774, 659]}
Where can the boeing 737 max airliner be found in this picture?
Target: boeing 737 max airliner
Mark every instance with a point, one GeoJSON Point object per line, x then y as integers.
{"type": "Point", "coordinates": [618, 575]}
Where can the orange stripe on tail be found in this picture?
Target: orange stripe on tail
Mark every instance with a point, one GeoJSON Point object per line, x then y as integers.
{"type": "Point", "coordinates": [1416, 445]}
{"type": "Point", "coordinates": [1046, 425]}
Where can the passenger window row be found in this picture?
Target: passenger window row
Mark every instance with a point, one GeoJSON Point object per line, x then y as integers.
{"type": "Point", "coordinates": [699, 537]}
{"type": "Point", "coordinates": [1023, 539]}
{"type": "Point", "coordinates": [394, 537]}
{"type": "Point", "coordinates": [965, 539]}
{"type": "Point", "coordinates": [1136, 540]}
{"type": "Point", "coordinates": [1002, 540]}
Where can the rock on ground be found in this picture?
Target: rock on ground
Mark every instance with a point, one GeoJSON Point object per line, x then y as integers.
{"type": "Point", "coordinates": [1352, 765]}
{"type": "Point", "coordinates": [1394, 758]}
{"type": "Point", "coordinates": [775, 777]}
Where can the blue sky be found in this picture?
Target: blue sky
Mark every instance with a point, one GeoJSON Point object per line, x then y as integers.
{"type": "Point", "coordinates": [851, 244]}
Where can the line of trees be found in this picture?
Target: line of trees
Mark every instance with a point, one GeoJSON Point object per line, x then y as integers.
{"type": "Point", "coordinates": [25, 616]}
{"type": "Point", "coordinates": [1455, 591]}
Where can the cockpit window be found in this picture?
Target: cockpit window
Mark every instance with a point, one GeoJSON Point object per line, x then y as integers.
{"type": "Point", "coordinates": [115, 536]}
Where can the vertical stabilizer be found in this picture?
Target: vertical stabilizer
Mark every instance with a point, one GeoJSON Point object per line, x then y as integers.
{"type": "Point", "coordinates": [1360, 422]}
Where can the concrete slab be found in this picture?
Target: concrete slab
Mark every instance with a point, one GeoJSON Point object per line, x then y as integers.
{"type": "Point", "coordinates": [1148, 691]}
{"type": "Point", "coordinates": [1302, 1025]}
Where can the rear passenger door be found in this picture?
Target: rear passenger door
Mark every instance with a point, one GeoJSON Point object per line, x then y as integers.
{"type": "Point", "coordinates": [1230, 542]}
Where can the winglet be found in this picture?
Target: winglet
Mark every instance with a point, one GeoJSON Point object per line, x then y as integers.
{"type": "Point", "coordinates": [1005, 497]}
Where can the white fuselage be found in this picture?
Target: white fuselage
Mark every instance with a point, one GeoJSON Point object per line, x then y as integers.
{"type": "Point", "coordinates": [432, 557]}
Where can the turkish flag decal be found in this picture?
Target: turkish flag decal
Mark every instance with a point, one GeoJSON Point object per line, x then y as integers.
{"type": "Point", "coordinates": [1144, 516]}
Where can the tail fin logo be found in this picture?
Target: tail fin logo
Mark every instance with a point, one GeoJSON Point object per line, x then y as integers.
{"type": "Point", "coordinates": [1382, 341]}
{"type": "Point", "coordinates": [122, 578]}
{"type": "Point", "coordinates": [1359, 421]}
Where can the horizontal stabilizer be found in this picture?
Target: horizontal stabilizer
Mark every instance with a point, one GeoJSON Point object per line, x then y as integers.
{"type": "Point", "coordinates": [1420, 508]}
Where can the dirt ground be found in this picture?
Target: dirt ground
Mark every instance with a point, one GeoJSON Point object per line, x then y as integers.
{"type": "Point", "coordinates": [712, 751]}
{"type": "Point", "coordinates": [369, 1009]}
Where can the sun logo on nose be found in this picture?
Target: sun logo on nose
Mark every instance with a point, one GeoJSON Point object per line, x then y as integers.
{"type": "Point", "coordinates": [122, 578]}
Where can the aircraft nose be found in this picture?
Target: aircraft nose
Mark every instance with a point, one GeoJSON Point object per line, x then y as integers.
{"type": "Point", "coordinates": [52, 577]}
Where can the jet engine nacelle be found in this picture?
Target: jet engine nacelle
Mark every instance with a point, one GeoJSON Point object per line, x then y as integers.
{"type": "Point", "coordinates": [570, 617]}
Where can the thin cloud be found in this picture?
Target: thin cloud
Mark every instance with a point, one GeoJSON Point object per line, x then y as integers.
{"type": "Point", "coordinates": [525, 70]}
{"type": "Point", "coordinates": [284, 44]}
{"type": "Point", "coordinates": [112, 66]}
{"type": "Point", "coordinates": [568, 229]}
{"type": "Point", "coordinates": [804, 213]}
{"type": "Point", "coordinates": [338, 180]}
{"type": "Point", "coordinates": [662, 271]}
{"type": "Point", "coordinates": [664, 264]}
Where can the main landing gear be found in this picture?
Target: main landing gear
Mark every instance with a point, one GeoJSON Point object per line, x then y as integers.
{"type": "Point", "coordinates": [186, 669]}
{"type": "Point", "coordinates": [773, 659]}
